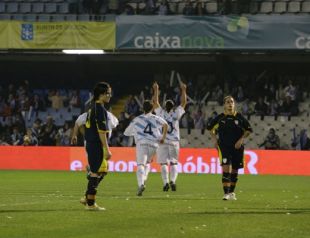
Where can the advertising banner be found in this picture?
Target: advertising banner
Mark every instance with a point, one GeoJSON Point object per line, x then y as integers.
{"type": "Point", "coordinates": [196, 161]}
{"type": "Point", "coordinates": [268, 32]}
{"type": "Point", "coordinates": [57, 35]}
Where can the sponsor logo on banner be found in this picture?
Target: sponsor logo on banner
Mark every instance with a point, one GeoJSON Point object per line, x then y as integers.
{"type": "Point", "coordinates": [303, 42]}
{"type": "Point", "coordinates": [27, 32]}
{"type": "Point", "coordinates": [158, 41]}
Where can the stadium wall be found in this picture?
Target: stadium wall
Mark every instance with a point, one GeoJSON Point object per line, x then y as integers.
{"type": "Point", "coordinates": [202, 161]}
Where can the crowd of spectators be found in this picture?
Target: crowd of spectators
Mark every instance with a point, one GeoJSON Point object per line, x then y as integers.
{"type": "Point", "coordinates": [21, 123]}
{"type": "Point", "coordinates": [156, 7]}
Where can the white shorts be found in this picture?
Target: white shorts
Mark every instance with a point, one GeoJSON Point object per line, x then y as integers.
{"type": "Point", "coordinates": [168, 153]}
{"type": "Point", "coordinates": [145, 153]}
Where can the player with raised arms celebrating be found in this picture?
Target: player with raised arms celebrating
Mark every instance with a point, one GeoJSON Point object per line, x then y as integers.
{"type": "Point", "coordinates": [168, 152]}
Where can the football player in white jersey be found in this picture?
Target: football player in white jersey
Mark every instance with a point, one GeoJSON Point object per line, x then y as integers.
{"type": "Point", "coordinates": [168, 152]}
{"type": "Point", "coordinates": [149, 131]}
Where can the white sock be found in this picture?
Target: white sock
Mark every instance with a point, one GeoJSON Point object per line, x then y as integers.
{"type": "Point", "coordinates": [164, 173]}
{"type": "Point", "coordinates": [147, 169]}
{"type": "Point", "coordinates": [173, 172]}
{"type": "Point", "coordinates": [140, 175]}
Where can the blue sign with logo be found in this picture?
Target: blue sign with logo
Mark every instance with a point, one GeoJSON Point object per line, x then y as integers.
{"type": "Point", "coordinates": [27, 32]}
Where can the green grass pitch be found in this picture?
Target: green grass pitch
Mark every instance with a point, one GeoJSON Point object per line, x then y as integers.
{"type": "Point", "coordinates": [46, 204]}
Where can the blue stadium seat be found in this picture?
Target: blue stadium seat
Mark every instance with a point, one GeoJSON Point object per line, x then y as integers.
{"type": "Point", "coordinates": [17, 17]}
{"type": "Point", "coordinates": [305, 7]}
{"type": "Point", "coordinates": [71, 17]}
{"type": "Point", "coordinates": [211, 7]}
{"type": "Point", "coordinates": [63, 8]}
{"type": "Point", "coordinates": [38, 7]}
{"type": "Point", "coordinates": [50, 8]}
{"type": "Point", "coordinates": [293, 7]}
{"type": "Point", "coordinates": [30, 17]}
{"type": "Point", "coordinates": [58, 17]}
{"type": "Point", "coordinates": [44, 17]}
{"type": "Point", "coordinates": [280, 7]}
{"type": "Point", "coordinates": [83, 17]}
{"type": "Point", "coordinates": [266, 7]}
{"type": "Point", "coordinates": [12, 7]}
{"type": "Point", "coordinates": [2, 7]}
{"type": "Point", "coordinates": [25, 7]}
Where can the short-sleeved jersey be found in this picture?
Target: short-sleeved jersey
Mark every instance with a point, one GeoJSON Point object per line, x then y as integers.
{"type": "Point", "coordinates": [172, 118]}
{"type": "Point", "coordinates": [96, 122]}
{"type": "Point", "coordinates": [146, 128]}
{"type": "Point", "coordinates": [229, 128]}
{"type": "Point", "coordinates": [112, 121]}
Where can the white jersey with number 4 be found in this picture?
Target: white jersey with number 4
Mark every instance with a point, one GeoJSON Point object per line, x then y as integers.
{"type": "Point", "coordinates": [146, 128]}
{"type": "Point", "coordinates": [172, 118]}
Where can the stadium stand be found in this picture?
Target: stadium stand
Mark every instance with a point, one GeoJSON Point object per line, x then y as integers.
{"type": "Point", "coordinates": [59, 9]}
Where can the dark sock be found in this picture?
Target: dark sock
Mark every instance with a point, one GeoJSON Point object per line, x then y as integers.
{"type": "Point", "coordinates": [233, 179]}
{"type": "Point", "coordinates": [226, 182]}
{"type": "Point", "coordinates": [91, 190]}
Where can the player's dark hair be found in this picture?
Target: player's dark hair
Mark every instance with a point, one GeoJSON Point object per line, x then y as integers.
{"type": "Point", "coordinates": [227, 97]}
{"type": "Point", "coordinates": [100, 88]}
{"type": "Point", "coordinates": [169, 104]}
{"type": "Point", "coordinates": [147, 106]}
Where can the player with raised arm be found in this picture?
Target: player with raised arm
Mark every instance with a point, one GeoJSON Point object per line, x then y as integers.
{"type": "Point", "coordinates": [228, 131]}
{"type": "Point", "coordinates": [149, 131]}
{"type": "Point", "coordinates": [168, 152]}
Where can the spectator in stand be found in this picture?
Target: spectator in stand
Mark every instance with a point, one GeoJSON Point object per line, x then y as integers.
{"type": "Point", "coordinates": [11, 101]}
{"type": "Point", "coordinates": [48, 133]}
{"type": "Point", "coordinates": [301, 141]}
{"type": "Point", "coordinates": [92, 6]}
{"type": "Point", "coordinates": [164, 8]}
{"type": "Point", "coordinates": [261, 108]}
{"type": "Point", "coordinates": [199, 120]}
{"type": "Point", "coordinates": [74, 99]}
{"type": "Point", "coordinates": [16, 137]}
{"type": "Point", "coordinates": [188, 9]}
{"type": "Point", "coordinates": [247, 108]}
{"type": "Point", "coordinates": [57, 100]}
{"type": "Point", "coordinates": [272, 140]}
{"type": "Point", "coordinates": [37, 105]}
{"type": "Point", "coordinates": [274, 107]}
{"type": "Point", "coordinates": [132, 107]}
{"type": "Point", "coordinates": [150, 7]}
{"type": "Point", "coordinates": [30, 138]}
{"type": "Point", "coordinates": [200, 8]}
{"type": "Point", "coordinates": [128, 10]}
{"type": "Point", "coordinates": [187, 121]}
{"type": "Point", "coordinates": [217, 95]}
{"type": "Point", "coordinates": [289, 107]}
{"type": "Point", "coordinates": [290, 91]}
{"type": "Point", "coordinates": [64, 135]}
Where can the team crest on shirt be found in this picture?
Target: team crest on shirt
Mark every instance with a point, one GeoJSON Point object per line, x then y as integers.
{"type": "Point", "coordinates": [224, 160]}
{"type": "Point", "coordinates": [236, 122]}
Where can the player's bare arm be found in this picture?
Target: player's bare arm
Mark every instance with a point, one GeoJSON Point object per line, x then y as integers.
{"type": "Point", "coordinates": [74, 134]}
{"type": "Point", "coordinates": [165, 129]}
{"type": "Point", "coordinates": [156, 96]}
{"type": "Point", "coordinates": [240, 142]}
{"type": "Point", "coordinates": [183, 94]}
{"type": "Point", "coordinates": [214, 138]}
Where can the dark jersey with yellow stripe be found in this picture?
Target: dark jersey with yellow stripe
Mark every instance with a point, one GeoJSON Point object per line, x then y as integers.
{"type": "Point", "coordinates": [229, 128]}
{"type": "Point", "coordinates": [96, 122]}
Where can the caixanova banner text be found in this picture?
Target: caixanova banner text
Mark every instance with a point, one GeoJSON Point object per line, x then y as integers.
{"type": "Point", "coordinates": [202, 161]}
